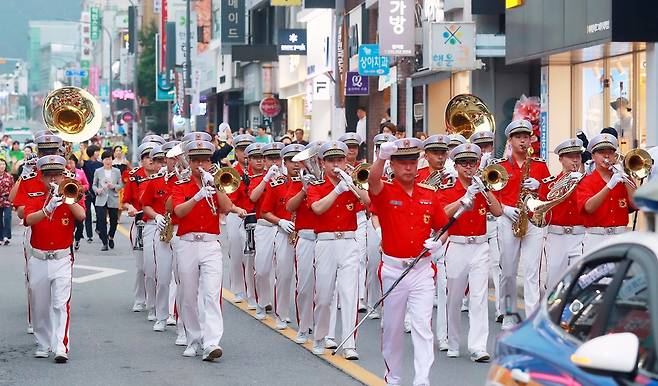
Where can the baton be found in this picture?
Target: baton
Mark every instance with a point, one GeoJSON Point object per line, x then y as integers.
{"type": "Point", "coordinates": [399, 279]}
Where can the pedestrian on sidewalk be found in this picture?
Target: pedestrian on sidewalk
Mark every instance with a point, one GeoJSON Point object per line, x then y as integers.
{"type": "Point", "coordinates": [107, 184]}
{"type": "Point", "coordinates": [6, 183]}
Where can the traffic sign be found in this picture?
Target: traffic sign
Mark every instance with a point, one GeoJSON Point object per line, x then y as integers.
{"type": "Point", "coordinates": [370, 62]}
{"type": "Point", "coordinates": [74, 73]}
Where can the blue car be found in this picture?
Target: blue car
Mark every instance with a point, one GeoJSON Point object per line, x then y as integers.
{"type": "Point", "coordinates": [596, 327]}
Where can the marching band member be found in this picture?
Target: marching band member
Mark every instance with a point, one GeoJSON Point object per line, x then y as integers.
{"type": "Point", "coordinates": [435, 149]}
{"type": "Point", "coordinates": [336, 249]}
{"type": "Point", "coordinates": [408, 212]}
{"type": "Point", "coordinates": [604, 196]}
{"type": "Point", "coordinates": [153, 200]}
{"type": "Point", "coordinates": [467, 253]}
{"type": "Point", "coordinates": [132, 205]}
{"type": "Point", "coordinates": [529, 247]}
{"type": "Point", "coordinates": [565, 233]}
{"type": "Point", "coordinates": [199, 259]}
{"type": "Point", "coordinates": [485, 140]}
{"type": "Point", "coordinates": [30, 181]}
{"type": "Point", "coordinates": [454, 140]}
{"type": "Point", "coordinates": [234, 224]}
{"type": "Point", "coordinates": [51, 259]}
{"type": "Point", "coordinates": [265, 231]}
{"type": "Point", "coordinates": [353, 142]}
{"type": "Point", "coordinates": [274, 211]}
{"type": "Point", "coordinates": [296, 203]}
{"type": "Point", "coordinates": [256, 169]}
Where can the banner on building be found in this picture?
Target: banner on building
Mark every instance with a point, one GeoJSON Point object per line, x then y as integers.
{"type": "Point", "coordinates": [181, 36]}
{"type": "Point", "coordinates": [341, 59]}
{"type": "Point", "coordinates": [370, 62]}
{"type": "Point", "coordinates": [233, 22]}
{"type": "Point", "coordinates": [356, 84]}
{"type": "Point", "coordinates": [85, 36]}
{"type": "Point", "coordinates": [285, 3]}
{"type": "Point", "coordinates": [164, 85]}
{"type": "Point", "coordinates": [292, 42]}
{"type": "Point", "coordinates": [452, 46]}
{"type": "Point", "coordinates": [396, 27]}
{"type": "Point", "coordinates": [95, 23]}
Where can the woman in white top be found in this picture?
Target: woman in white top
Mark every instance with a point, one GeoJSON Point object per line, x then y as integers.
{"type": "Point", "coordinates": [107, 184]}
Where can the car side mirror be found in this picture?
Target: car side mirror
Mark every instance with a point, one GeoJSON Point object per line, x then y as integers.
{"type": "Point", "coordinates": [612, 354]}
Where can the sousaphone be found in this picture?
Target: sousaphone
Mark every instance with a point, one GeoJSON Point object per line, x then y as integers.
{"type": "Point", "coordinates": [467, 114]}
{"type": "Point", "coordinates": [72, 113]}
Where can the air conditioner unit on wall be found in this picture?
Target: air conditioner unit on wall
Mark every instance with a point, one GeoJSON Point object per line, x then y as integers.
{"type": "Point", "coordinates": [419, 111]}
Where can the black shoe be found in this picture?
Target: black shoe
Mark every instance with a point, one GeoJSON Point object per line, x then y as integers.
{"type": "Point", "coordinates": [268, 308]}
{"type": "Point", "coordinates": [104, 247]}
{"type": "Point", "coordinates": [76, 246]}
{"type": "Point", "coordinates": [90, 240]}
{"type": "Point", "coordinates": [110, 242]}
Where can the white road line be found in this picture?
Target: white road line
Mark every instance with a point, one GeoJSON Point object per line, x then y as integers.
{"type": "Point", "coordinates": [101, 273]}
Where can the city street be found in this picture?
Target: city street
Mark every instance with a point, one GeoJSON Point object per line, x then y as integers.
{"type": "Point", "coordinates": [110, 345]}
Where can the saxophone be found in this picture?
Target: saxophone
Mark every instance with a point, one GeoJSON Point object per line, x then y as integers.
{"type": "Point", "coordinates": [167, 233]}
{"type": "Point", "coordinates": [293, 236]}
{"type": "Point", "coordinates": [520, 227]}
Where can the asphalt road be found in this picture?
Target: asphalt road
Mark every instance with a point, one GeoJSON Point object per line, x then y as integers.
{"type": "Point", "coordinates": [110, 345]}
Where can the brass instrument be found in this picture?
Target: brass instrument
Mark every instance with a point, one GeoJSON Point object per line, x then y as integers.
{"type": "Point", "coordinates": [637, 163]}
{"type": "Point", "coordinates": [293, 236]}
{"type": "Point", "coordinates": [138, 245]}
{"type": "Point", "coordinates": [72, 113]}
{"type": "Point", "coordinates": [182, 166]}
{"type": "Point", "coordinates": [483, 189]}
{"type": "Point", "coordinates": [309, 158]}
{"type": "Point", "coordinates": [167, 233]}
{"type": "Point", "coordinates": [467, 114]}
{"type": "Point", "coordinates": [520, 227]}
{"type": "Point", "coordinates": [360, 175]}
{"type": "Point", "coordinates": [71, 190]}
{"type": "Point", "coordinates": [560, 191]}
{"type": "Point", "coordinates": [227, 179]}
{"type": "Point", "coordinates": [617, 168]}
{"type": "Point", "coordinates": [435, 178]}
{"type": "Point", "coordinates": [209, 200]}
{"type": "Point", "coordinates": [350, 184]}
{"type": "Point", "coordinates": [494, 177]}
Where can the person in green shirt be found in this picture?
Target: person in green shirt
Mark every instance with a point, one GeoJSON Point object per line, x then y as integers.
{"type": "Point", "coordinates": [15, 156]}
{"type": "Point", "coordinates": [262, 136]}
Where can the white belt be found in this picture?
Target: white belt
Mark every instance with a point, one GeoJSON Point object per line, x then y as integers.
{"type": "Point", "coordinates": [404, 263]}
{"type": "Point", "coordinates": [335, 235]}
{"type": "Point", "coordinates": [566, 230]}
{"type": "Point", "coordinates": [263, 222]}
{"type": "Point", "coordinates": [606, 230]}
{"type": "Point", "coordinates": [468, 239]}
{"type": "Point", "coordinates": [199, 236]}
{"type": "Point", "coordinates": [50, 255]}
{"type": "Point", "coordinates": [151, 222]}
{"type": "Point", "coordinates": [306, 234]}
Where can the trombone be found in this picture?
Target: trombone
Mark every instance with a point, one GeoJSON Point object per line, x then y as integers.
{"type": "Point", "coordinates": [360, 175]}
{"type": "Point", "coordinates": [493, 177]}
{"type": "Point", "coordinates": [350, 183]}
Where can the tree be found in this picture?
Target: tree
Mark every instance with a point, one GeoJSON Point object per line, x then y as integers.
{"type": "Point", "coordinates": [146, 79]}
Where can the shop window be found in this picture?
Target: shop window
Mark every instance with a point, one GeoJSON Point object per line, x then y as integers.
{"type": "Point", "coordinates": [589, 98]}
{"type": "Point", "coordinates": [641, 98]}
{"type": "Point", "coordinates": [619, 110]}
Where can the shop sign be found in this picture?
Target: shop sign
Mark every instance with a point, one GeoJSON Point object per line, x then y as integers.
{"type": "Point", "coordinates": [285, 3]}
{"type": "Point", "coordinates": [543, 115]}
{"type": "Point", "coordinates": [513, 3]}
{"type": "Point", "coordinates": [181, 36]}
{"type": "Point", "coordinates": [452, 46]}
{"type": "Point", "coordinates": [270, 107]}
{"type": "Point", "coordinates": [396, 27]}
{"type": "Point", "coordinates": [292, 42]}
{"type": "Point", "coordinates": [123, 94]}
{"type": "Point", "coordinates": [385, 81]}
{"type": "Point", "coordinates": [233, 21]}
{"type": "Point", "coordinates": [356, 84]}
{"type": "Point", "coordinates": [370, 62]}
{"type": "Point", "coordinates": [127, 116]}
{"type": "Point", "coordinates": [85, 36]}
{"type": "Point", "coordinates": [95, 20]}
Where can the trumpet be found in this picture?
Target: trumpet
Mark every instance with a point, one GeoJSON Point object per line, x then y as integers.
{"type": "Point", "coordinates": [227, 179]}
{"type": "Point", "coordinates": [637, 163]}
{"type": "Point", "coordinates": [350, 184]}
{"type": "Point", "coordinates": [617, 168]}
{"type": "Point", "coordinates": [483, 189]}
{"type": "Point", "coordinates": [209, 200]}
{"type": "Point", "coordinates": [69, 188]}
{"type": "Point", "coordinates": [360, 175]}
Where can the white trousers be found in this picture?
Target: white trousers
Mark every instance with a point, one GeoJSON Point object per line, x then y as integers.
{"type": "Point", "coordinates": [591, 241]}
{"type": "Point", "coordinates": [304, 283]}
{"type": "Point", "coordinates": [373, 288]}
{"type": "Point", "coordinates": [414, 293]}
{"type": "Point", "coordinates": [150, 234]}
{"type": "Point", "coordinates": [163, 278]}
{"type": "Point", "coordinates": [50, 284]}
{"type": "Point", "coordinates": [140, 281]}
{"type": "Point", "coordinates": [284, 257]}
{"type": "Point", "coordinates": [441, 296]}
{"type": "Point", "coordinates": [466, 265]}
{"type": "Point", "coordinates": [494, 259]}
{"type": "Point", "coordinates": [336, 266]}
{"type": "Point", "coordinates": [263, 262]}
{"type": "Point", "coordinates": [236, 238]}
{"type": "Point", "coordinates": [200, 274]}
{"type": "Point", "coordinates": [27, 252]}
{"type": "Point", "coordinates": [561, 250]}
{"type": "Point", "coordinates": [528, 249]}
{"type": "Point", "coordinates": [361, 238]}
{"type": "Point", "coordinates": [178, 299]}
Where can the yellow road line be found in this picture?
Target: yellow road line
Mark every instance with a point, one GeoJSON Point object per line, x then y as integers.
{"type": "Point", "coordinates": [349, 367]}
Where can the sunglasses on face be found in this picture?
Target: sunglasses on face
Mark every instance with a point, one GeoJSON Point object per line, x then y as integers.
{"type": "Point", "coordinates": [471, 163]}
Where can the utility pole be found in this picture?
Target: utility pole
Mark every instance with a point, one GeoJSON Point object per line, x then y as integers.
{"type": "Point", "coordinates": [188, 65]}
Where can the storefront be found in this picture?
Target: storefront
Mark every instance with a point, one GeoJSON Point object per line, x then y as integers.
{"type": "Point", "coordinates": [597, 60]}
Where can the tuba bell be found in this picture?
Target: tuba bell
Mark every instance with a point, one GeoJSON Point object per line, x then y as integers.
{"type": "Point", "coordinates": [360, 175]}
{"type": "Point", "coordinates": [467, 114]}
{"type": "Point", "coordinates": [309, 158]}
{"type": "Point", "coordinates": [494, 177]}
{"type": "Point", "coordinates": [72, 113]}
{"type": "Point", "coordinates": [71, 189]}
{"type": "Point", "coordinates": [227, 179]}
{"type": "Point", "coordinates": [637, 163]}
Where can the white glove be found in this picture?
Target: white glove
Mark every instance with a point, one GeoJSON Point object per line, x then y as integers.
{"type": "Point", "coordinates": [207, 177]}
{"type": "Point", "coordinates": [614, 180]}
{"type": "Point", "coordinates": [531, 183]}
{"type": "Point", "coordinates": [54, 202]}
{"type": "Point", "coordinates": [343, 174]}
{"type": "Point", "coordinates": [473, 190]}
{"type": "Point", "coordinates": [160, 221]}
{"type": "Point", "coordinates": [575, 175]}
{"type": "Point", "coordinates": [163, 169]}
{"type": "Point", "coordinates": [467, 201]}
{"type": "Point", "coordinates": [271, 172]}
{"type": "Point", "coordinates": [432, 245]}
{"type": "Point", "coordinates": [286, 225]}
{"type": "Point", "coordinates": [386, 150]}
{"type": "Point", "coordinates": [341, 188]}
{"type": "Point", "coordinates": [484, 160]}
{"type": "Point", "coordinates": [205, 192]}
{"type": "Point", "coordinates": [511, 213]}
{"type": "Point", "coordinates": [306, 179]}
